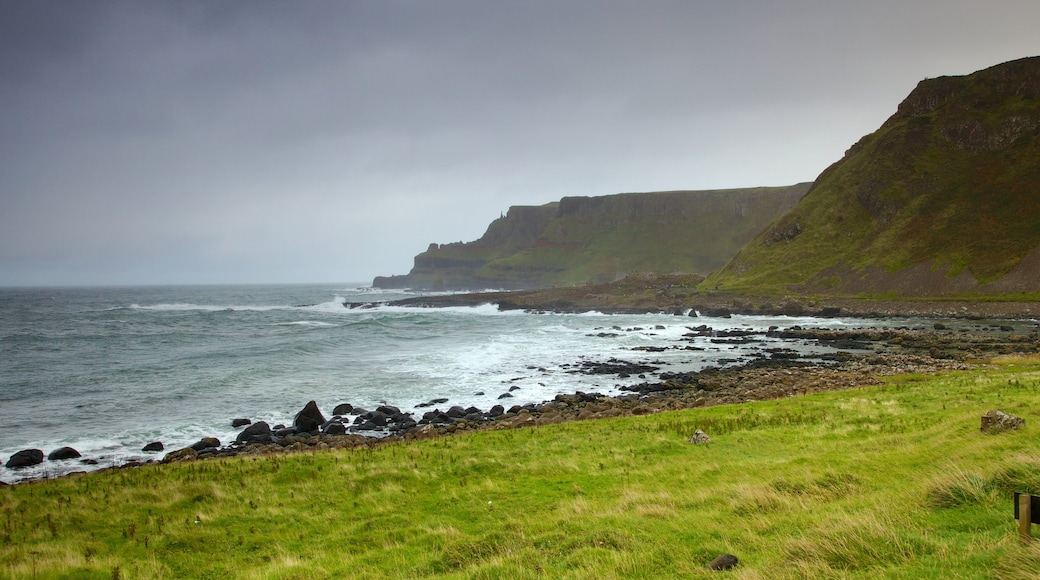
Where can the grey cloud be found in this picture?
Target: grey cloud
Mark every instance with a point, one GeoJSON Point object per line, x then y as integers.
{"type": "Point", "coordinates": [268, 141]}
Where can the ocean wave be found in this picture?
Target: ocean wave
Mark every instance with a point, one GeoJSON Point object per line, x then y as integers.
{"type": "Point", "coordinates": [188, 307]}
{"type": "Point", "coordinates": [311, 323]}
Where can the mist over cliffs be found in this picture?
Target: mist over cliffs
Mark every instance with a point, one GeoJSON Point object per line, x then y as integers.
{"type": "Point", "coordinates": [943, 199]}
{"type": "Point", "coordinates": [600, 239]}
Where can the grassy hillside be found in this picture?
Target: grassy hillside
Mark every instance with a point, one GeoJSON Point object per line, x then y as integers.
{"type": "Point", "coordinates": [599, 239]}
{"type": "Point", "coordinates": [944, 198]}
{"type": "Point", "coordinates": [890, 481]}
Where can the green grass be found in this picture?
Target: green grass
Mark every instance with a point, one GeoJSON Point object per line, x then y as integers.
{"type": "Point", "coordinates": [894, 481]}
{"type": "Point", "coordinates": [945, 186]}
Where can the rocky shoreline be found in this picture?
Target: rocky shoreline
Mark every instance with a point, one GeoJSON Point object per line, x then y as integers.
{"type": "Point", "coordinates": [862, 356]}
{"type": "Point", "coordinates": [655, 293]}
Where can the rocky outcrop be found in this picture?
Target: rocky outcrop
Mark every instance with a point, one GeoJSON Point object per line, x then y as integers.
{"type": "Point", "coordinates": [309, 418]}
{"type": "Point", "coordinates": [996, 421]}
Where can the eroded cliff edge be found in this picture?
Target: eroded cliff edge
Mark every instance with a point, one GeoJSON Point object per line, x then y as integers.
{"type": "Point", "coordinates": [581, 240]}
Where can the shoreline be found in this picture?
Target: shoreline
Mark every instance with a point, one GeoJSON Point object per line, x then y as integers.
{"type": "Point", "coordinates": [667, 293]}
{"type": "Point", "coordinates": [870, 354]}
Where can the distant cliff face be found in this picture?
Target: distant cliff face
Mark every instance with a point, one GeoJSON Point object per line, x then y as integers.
{"type": "Point", "coordinates": [597, 239]}
{"type": "Point", "coordinates": [943, 199]}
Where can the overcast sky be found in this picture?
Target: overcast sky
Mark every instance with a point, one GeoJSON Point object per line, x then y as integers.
{"type": "Point", "coordinates": [250, 141]}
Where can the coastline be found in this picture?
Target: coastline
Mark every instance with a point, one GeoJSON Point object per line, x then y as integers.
{"type": "Point", "coordinates": [871, 355]}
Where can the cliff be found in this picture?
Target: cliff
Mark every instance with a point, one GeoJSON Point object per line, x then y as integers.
{"type": "Point", "coordinates": [595, 239]}
{"type": "Point", "coordinates": [942, 200]}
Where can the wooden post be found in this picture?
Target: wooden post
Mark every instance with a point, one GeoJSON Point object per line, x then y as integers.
{"type": "Point", "coordinates": [1025, 518]}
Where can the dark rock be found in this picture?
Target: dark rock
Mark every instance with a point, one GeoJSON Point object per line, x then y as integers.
{"type": "Point", "coordinates": [334, 428]}
{"type": "Point", "coordinates": [309, 418]}
{"type": "Point", "coordinates": [89, 461]}
{"type": "Point", "coordinates": [474, 417]}
{"type": "Point", "coordinates": [259, 432]}
{"type": "Point", "coordinates": [206, 443]}
{"type": "Point", "coordinates": [343, 409]}
{"type": "Point", "coordinates": [456, 412]}
{"type": "Point", "coordinates": [186, 454]}
{"type": "Point", "coordinates": [723, 562]}
{"type": "Point", "coordinates": [388, 410]}
{"type": "Point", "coordinates": [63, 453]}
{"type": "Point", "coordinates": [236, 423]}
{"type": "Point", "coordinates": [497, 411]}
{"type": "Point", "coordinates": [506, 396]}
{"type": "Point", "coordinates": [153, 446]}
{"type": "Point", "coordinates": [403, 425]}
{"type": "Point", "coordinates": [25, 458]}
{"type": "Point", "coordinates": [997, 421]}
{"type": "Point", "coordinates": [285, 431]}
{"type": "Point", "coordinates": [478, 394]}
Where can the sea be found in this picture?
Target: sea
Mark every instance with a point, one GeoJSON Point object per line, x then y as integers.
{"type": "Point", "coordinates": [109, 370]}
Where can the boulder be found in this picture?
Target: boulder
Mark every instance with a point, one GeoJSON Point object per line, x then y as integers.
{"type": "Point", "coordinates": [388, 410]}
{"type": "Point", "coordinates": [206, 443]}
{"type": "Point", "coordinates": [334, 428]}
{"type": "Point", "coordinates": [186, 454]}
{"type": "Point", "coordinates": [63, 453]}
{"type": "Point", "coordinates": [153, 446]}
{"type": "Point", "coordinates": [699, 437]}
{"type": "Point", "coordinates": [456, 412]}
{"type": "Point", "coordinates": [309, 418]}
{"type": "Point", "coordinates": [996, 421]}
{"type": "Point", "coordinates": [236, 423]}
{"type": "Point", "coordinates": [259, 432]}
{"type": "Point", "coordinates": [25, 458]}
{"type": "Point", "coordinates": [723, 562]}
{"type": "Point", "coordinates": [343, 409]}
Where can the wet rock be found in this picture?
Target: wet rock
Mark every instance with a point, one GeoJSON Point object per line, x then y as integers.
{"type": "Point", "coordinates": [334, 428]}
{"type": "Point", "coordinates": [206, 443]}
{"type": "Point", "coordinates": [997, 421]}
{"type": "Point", "coordinates": [186, 454]}
{"type": "Point", "coordinates": [506, 396]}
{"type": "Point", "coordinates": [309, 418]}
{"type": "Point", "coordinates": [343, 409]}
{"type": "Point", "coordinates": [236, 423]}
{"type": "Point", "coordinates": [723, 562]}
{"type": "Point", "coordinates": [63, 453]}
{"type": "Point", "coordinates": [388, 410]}
{"type": "Point", "coordinates": [259, 432]}
{"type": "Point", "coordinates": [153, 447]}
{"type": "Point", "coordinates": [25, 458]}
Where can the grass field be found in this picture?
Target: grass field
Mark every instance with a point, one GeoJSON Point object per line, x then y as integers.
{"type": "Point", "coordinates": [894, 481]}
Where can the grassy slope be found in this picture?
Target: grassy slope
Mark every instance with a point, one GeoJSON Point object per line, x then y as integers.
{"type": "Point", "coordinates": [692, 232]}
{"type": "Point", "coordinates": [680, 231]}
{"type": "Point", "coordinates": [955, 185]}
{"type": "Point", "coordinates": [892, 481]}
